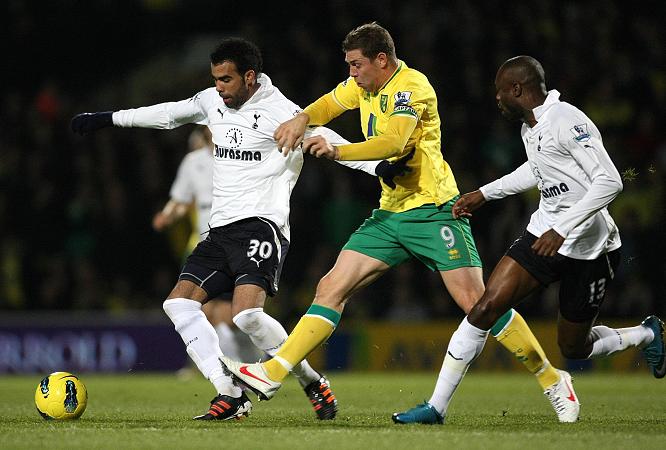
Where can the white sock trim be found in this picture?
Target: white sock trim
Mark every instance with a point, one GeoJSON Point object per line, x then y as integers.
{"type": "Point", "coordinates": [245, 312]}
{"type": "Point", "coordinates": [175, 305]}
{"type": "Point", "coordinates": [469, 330]}
{"type": "Point", "coordinates": [283, 362]}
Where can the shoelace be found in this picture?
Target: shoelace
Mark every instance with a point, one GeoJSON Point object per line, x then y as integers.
{"type": "Point", "coordinates": [324, 392]}
{"type": "Point", "coordinates": [556, 401]}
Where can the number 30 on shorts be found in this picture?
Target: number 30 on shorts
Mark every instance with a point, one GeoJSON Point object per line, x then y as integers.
{"type": "Point", "coordinates": [447, 236]}
{"type": "Point", "coordinates": [264, 248]}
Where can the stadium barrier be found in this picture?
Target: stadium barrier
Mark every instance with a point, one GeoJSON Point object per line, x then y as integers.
{"type": "Point", "coordinates": [146, 341]}
{"type": "Point", "coordinates": [89, 342]}
{"type": "Point", "coordinates": [421, 346]}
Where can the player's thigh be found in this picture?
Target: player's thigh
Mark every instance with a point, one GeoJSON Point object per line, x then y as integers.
{"type": "Point", "coordinates": [352, 271]}
{"type": "Point", "coordinates": [508, 285]}
{"type": "Point", "coordinates": [582, 292]}
{"type": "Point", "coordinates": [205, 274]}
{"type": "Point", "coordinates": [247, 296]}
{"type": "Point", "coordinates": [189, 290]}
{"type": "Point", "coordinates": [434, 237]}
{"type": "Point", "coordinates": [465, 284]}
{"type": "Point", "coordinates": [218, 311]}
{"type": "Point", "coordinates": [377, 238]}
{"type": "Point", "coordinates": [584, 285]}
{"type": "Point", "coordinates": [255, 250]}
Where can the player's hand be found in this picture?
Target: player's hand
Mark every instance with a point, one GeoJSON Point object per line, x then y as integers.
{"type": "Point", "coordinates": [467, 203]}
{"type": "Point", "coordinates": [289, 134]}
{"type": "Point", "coordinates": [318, 146]}
{"type": "Point", "coordinates": [85, 123]}
{"type": "Point", "coordinates": [160, 221]}
{"type": "Point", "coordinates": [548, 244]}
{"type": "Point", "coordinates": [387, 171]}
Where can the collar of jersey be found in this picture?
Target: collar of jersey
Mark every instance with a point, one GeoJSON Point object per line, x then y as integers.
{"type": "Point", "coordinates": [265, 89]}
{"type": "Point", "coordinates": [552, 98]}
{"type": "Point", "coordinates": [398, 69]}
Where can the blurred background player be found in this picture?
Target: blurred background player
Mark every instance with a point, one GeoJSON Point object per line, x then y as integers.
{"type": "Point", "coordinates": [400, 121]}
{"type": "Point", "coordinates": [191, 196]}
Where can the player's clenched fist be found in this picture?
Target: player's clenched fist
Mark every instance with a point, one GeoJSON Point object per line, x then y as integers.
{"type": "Point", "coordinates": [85, 123]}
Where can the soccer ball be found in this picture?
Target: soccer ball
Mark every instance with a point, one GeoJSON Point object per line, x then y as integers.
{"type": "Point", "coordinates": [61, 396]}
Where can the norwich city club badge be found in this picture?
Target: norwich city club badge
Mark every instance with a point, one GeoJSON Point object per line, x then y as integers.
{"type": "Point", "coordinates": [383, 102]}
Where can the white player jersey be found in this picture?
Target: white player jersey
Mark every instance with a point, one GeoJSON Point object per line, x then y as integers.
{"type": "Point", "coordinates": [251, 178]}
{"type": "Point", "coordinates": [194, 182]}
{"type": "Point", "coordinates": [567, 162]}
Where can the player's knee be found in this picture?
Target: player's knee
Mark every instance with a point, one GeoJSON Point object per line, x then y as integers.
{"type": "Point", "coordinates": [328, 293]}
{"type": "Point", "coordinates": [173, 306]}
{"type": "Point", "coordinates": [181, 311]}
{"type": "Point", "coordinates": [571, 350]}
{"type": "Point", "coordinates": [484, 313]}
{"type": "Point", "coordinates": [165, 307]}
{"type": "Point", "coordinates": [249, 320]}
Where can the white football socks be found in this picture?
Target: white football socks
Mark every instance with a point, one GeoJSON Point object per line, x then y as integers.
{"type": "Point", "coordinates": [607, 341]}
{"type": "Point", "coordinates": [465, 345]}
{"type": "Point", "coordinates": [201, 342]}
{"type": "Point", "coordinates": [269, 335]}
{"type": "Point", "coordinates": [226, 338]}
{"type": "Point", "coordinates": [236, 344]}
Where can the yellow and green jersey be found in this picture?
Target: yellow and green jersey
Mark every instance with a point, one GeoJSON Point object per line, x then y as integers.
{"type": "Point", "coordinates": [400, 117]}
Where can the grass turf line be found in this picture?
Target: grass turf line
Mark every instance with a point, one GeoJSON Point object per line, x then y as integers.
{"type": "Point", "coordinates": [491, 410]}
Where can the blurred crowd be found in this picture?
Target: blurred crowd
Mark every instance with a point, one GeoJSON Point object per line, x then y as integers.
{"type": "Point", "coordinates": [75, 212]}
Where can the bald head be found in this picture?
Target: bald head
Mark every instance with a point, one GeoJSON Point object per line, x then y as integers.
{"type": "Point", "coordinates": [520, 86]}
{"type": "Point", "coordinates": [524, 70]}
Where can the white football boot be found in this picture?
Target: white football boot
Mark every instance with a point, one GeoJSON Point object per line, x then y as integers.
{"type": "Point", "coordinates": [563, 398]}
{"type": "Point", "coordinates": [252, 376]}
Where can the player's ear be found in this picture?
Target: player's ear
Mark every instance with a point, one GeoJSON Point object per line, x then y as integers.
{"type": "Point", "coordinates": [516, 89]}
{"type": "Point", "coordinates": [250, 78]}
{"type": "Point", "coordinates": [382, 59]}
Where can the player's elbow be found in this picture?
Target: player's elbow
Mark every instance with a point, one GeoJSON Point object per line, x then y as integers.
{"type": "Point", "coordinates": [611, 185]}
{"type": "Point", "coordinates": [394, 146]}
{"type": "Point", "coordinates": [618, 185]}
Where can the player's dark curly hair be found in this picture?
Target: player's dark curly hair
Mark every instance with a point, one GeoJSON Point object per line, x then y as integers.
{"type": "Point", "coordinates": [372, 39]}
{"type": "Point", "coordinates": [245, 54]}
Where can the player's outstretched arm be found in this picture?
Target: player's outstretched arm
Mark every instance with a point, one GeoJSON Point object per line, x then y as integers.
{"type": "Point", "coordinates": [467, 203]}
{"type": "Point", "coordinates": [85, 123]}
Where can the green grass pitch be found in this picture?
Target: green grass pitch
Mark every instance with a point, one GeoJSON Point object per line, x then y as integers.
{"type": "Point", "coordinates": [490, 411]}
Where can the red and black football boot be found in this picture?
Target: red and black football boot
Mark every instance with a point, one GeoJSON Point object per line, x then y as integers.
{"type": "Point", "coordinates": [322, 398]}
{"type": "Point", "coordinates": [224, 407]}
